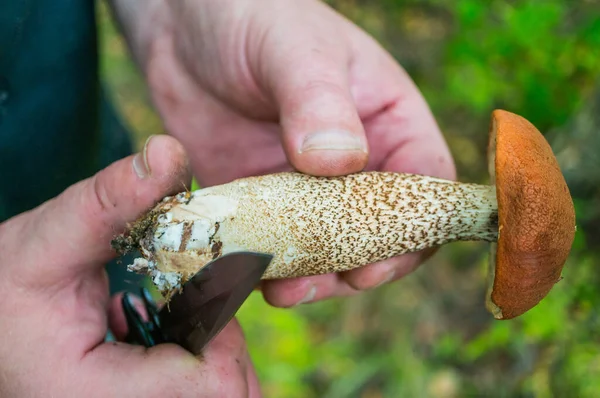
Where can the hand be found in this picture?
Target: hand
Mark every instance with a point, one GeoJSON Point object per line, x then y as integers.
{"type": "Point", "coordinates": [259, 86]}
{"type": "Point", "coordinates": [55, 305]}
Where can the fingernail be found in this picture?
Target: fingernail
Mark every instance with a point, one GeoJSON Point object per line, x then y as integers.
{"type": "Point", "coordinates": [334, 140]}
{"type": "Point", "coordinates": [140, 161]}
{"type": "Point", "coordinates": [388, 277]}
{"type": "Point", "coordinates": [310, 295]}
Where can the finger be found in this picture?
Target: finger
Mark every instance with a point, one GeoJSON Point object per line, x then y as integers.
{"type": "Point", "coordinates": [420, 148]}
{"type": "Point", "coordinates": [377, 274]}
{"type": "Point", "coordinates": [296, 291]}
{"type": "Point", "coordinates": [399, 123]}
{"type": "Point", "coordinates": [309, 82]}
{"type": "Point", "coordinates": [254, 389]}
{"type": "Point", "coordinates": [117, 322]}
{"type": "Point", "coordinates": [72, 233]}
{"type": "Point", "coordinates": [167, 370]}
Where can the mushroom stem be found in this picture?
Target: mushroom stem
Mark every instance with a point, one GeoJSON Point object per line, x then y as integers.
{"type": "Point", "coordinates": [316, 225]}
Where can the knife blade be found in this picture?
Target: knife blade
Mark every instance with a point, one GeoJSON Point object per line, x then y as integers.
{"type": "Point", "coordinates": [205, 305]}
{"type": "Point", "coordinates": [211, 299]}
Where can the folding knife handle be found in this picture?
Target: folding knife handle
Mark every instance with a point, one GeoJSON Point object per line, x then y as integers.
{"type": "Point", "coordinates": [141, 332]}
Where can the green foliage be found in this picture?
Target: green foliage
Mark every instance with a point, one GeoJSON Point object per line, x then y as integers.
{"type": "Point", "coordinates": [530, 56]}
{"type": "Point", "coordinates": [280, 345]}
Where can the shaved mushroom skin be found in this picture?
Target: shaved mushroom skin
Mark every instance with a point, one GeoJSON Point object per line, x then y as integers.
{"type": "Point", "coordinates": [318, 225]}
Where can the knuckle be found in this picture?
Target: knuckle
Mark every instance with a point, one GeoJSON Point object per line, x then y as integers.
{"type": "Point", "coordinates": [105, 203]}
{"type": "Point", "coordinates": [100, 204]}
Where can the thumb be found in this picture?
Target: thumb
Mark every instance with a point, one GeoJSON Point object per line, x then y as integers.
{"type": "Point", "coordinates": [308, 80]}
{"type": "Point", "coordinates": [224, 370]}
{"type": "Point", "coordinates": [71, 234]}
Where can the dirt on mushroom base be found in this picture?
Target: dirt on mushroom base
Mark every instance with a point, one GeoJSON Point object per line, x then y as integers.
{"type": "Point", "coordinates": [137, 231]}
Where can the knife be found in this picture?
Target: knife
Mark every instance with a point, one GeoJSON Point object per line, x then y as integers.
{"type": "Point", "coordinates": [205, 305]}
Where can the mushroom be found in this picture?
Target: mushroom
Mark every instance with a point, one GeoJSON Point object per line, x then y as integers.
{"type": "Point", "coordinates": [317, 225]}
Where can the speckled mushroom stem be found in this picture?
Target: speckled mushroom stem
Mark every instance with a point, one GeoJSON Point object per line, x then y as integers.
{"type": "Point", "coordinates": [312, 225]}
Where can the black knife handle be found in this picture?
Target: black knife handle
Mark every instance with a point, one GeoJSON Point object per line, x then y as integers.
{"type": "Point", "coordinates": [146, 333]}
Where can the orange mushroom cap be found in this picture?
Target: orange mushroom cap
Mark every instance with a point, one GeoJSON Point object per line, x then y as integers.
{"type": "Point", "coordinates": [536, 216]}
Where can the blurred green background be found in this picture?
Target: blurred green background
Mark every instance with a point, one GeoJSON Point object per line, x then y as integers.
{"type": "Point", "coordinates": [429, 335]}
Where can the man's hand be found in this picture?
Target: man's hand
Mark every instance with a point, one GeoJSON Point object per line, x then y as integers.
{"type": "Point", "coordinates": [258, 86]}
{"type": "Point", "coordinates": [55, 306]}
